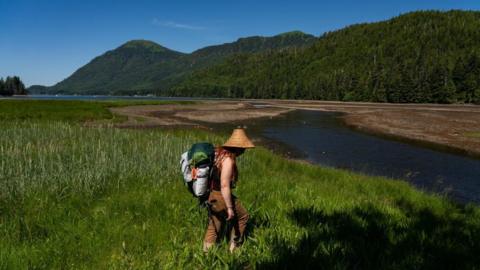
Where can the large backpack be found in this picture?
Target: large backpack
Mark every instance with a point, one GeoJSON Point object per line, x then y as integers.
{"type": "Point", "coordinates": [197, 166]}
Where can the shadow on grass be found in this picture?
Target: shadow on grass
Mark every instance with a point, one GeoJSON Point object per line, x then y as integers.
{"type": "Point", "coordinates": [255, 222]}
{"type": "Point", "coordinates": [367, 238]}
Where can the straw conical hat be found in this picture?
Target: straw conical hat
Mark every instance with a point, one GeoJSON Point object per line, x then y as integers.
{"type": "Point", "coordinates": [239, 139]}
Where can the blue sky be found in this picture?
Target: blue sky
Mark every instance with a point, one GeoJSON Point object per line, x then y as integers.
{"type": "Point", "coordinates": [44, 41]}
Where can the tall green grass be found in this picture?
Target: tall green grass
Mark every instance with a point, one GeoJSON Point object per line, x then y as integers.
{"type": "Point", "coordinates": [101, 198]}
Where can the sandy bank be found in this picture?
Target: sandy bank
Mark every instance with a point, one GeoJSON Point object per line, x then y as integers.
{"type": "Point", "coordinates": [194, 114]}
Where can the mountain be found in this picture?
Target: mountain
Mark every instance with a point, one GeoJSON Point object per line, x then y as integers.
{"type": "Point", "coordinates": [426, 56]}
{"type": "Point", "coordinates": [141, 66]}
{"type": "Point", "coordinates": [255, 44]}
{"type": "Point", "coordinates": [128, 67]}
{"type": "Point", "coordinates": [37, 89]}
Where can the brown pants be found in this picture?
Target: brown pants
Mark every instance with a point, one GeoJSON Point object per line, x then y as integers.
{"type": "Point", "coordinates": [217, 220]}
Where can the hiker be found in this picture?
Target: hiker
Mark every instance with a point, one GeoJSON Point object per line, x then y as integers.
{"type": "Point", "coordinates": [224, 207]}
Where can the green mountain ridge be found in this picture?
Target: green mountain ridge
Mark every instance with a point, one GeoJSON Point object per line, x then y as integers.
{"type": "Point", "coordinates": [129, 65]}
{"type": "Point", "coordinates": [144, 44]}
{"type": "Point", "coordinates": [258, 43]}
{"type": "Point", "coordinates": [141, 66]}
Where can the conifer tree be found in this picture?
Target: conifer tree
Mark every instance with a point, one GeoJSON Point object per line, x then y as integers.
{"type": "Point", "coordinates": [2, 87]}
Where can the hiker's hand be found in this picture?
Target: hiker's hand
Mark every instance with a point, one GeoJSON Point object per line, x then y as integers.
{"type": "Point", "coordinates": [230, 213]}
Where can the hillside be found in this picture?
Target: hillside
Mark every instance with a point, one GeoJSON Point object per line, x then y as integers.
{"type": "Point", "coordinates": [424, 56]}
{"type": "Point", "coordinates": [144, 67]}
{"type": "Point", "coordinates": [128, 67]}
{"type": "Point", "coordinates": [288, 40]}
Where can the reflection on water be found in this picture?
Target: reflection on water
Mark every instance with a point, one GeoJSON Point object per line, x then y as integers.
{"type": "Point", "coordinates": [323, 139]}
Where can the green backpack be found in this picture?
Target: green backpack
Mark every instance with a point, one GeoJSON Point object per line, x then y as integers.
{"type": "Point", "coordinates": [201, 154]}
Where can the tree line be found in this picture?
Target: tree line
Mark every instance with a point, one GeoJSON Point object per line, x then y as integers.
{"type": "Point", "coordinates": [12, 86]}
{"type": "Point", "coordinates": [421, 57]}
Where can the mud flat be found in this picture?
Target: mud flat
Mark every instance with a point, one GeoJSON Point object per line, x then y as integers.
{"type": "Point", "coordinates": [193, 114]}
{"type": "Point", "coordinates": [453, 127]}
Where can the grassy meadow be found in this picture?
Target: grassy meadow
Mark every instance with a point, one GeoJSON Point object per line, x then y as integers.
{"type": "Point", "coordinates": [75, 197]}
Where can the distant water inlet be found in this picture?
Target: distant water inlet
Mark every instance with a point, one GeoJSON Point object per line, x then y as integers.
{"type": "Point", "coordinates": [322, 138]}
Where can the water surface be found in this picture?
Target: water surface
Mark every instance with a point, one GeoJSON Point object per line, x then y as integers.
{"type": "Point", "coordinates": [322, 138]}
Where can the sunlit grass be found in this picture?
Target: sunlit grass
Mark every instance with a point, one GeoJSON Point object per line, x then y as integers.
{"type": "Point", "coordinates": [104, 198]}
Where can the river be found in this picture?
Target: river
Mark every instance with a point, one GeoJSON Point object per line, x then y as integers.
{"type": "Point", "coordinates": [322, 138]}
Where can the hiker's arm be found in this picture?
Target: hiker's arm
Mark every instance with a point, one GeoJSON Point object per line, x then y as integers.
{"type": "Point", "coordinates": [225, 178]}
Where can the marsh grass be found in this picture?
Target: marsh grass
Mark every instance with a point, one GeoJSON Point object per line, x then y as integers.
{"type": "Point", "coordinates": [104, 198]}
{"type": "Point", "coordinates": [69, 110]}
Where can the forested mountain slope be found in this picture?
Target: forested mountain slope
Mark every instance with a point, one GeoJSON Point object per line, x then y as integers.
{"type": "Point", "coordinates": [426, 56]}
{"type": "Point", "coordinates": [140, 66]}
{"type": "Point", "coordinates": [127, 67]}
